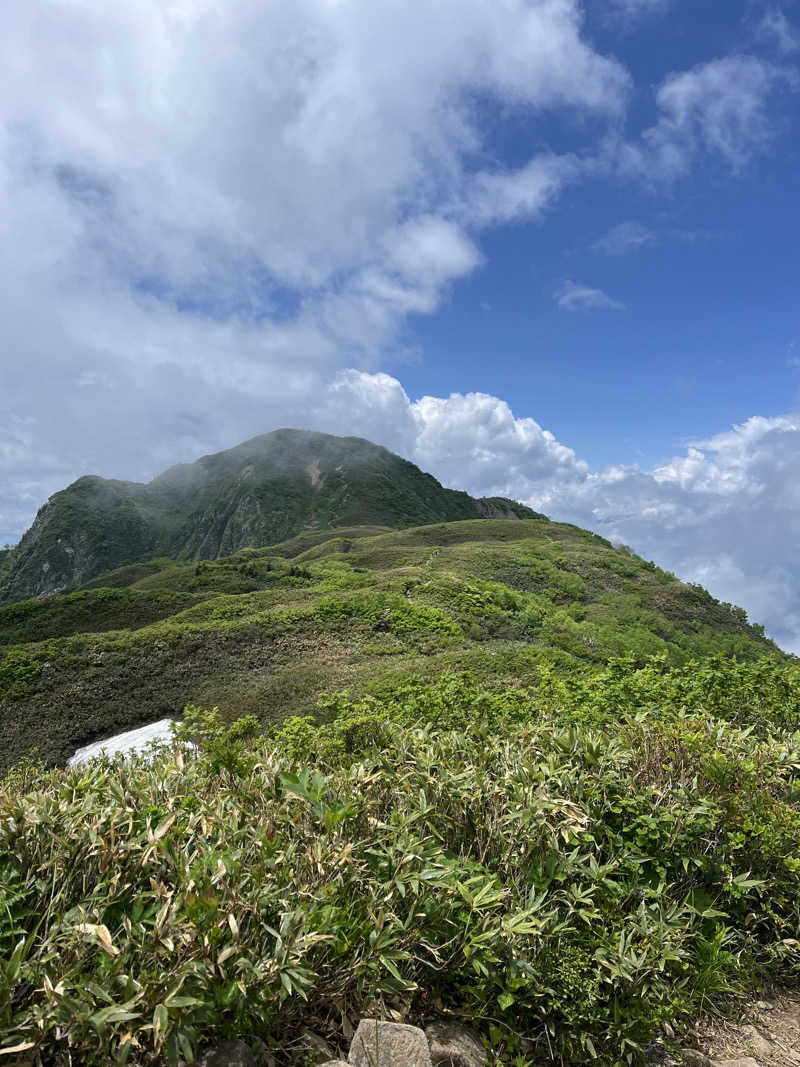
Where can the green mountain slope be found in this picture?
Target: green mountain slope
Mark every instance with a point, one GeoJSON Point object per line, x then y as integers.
{"type": "Point", "coordinates": [269, 631]}
{"type": "Point", "coordinates": [268, 489]}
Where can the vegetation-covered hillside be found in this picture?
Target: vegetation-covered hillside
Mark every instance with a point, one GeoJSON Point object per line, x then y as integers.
{"type": "Point", "coordinates": [267, 632]}
{"type": "Point", "coordinates": [267, 489]}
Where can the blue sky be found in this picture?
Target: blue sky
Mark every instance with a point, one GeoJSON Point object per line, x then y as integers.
{"type": "Point", "coordinates": [545, 248]}
{"type": "Point", "coordinates": [706, 267]}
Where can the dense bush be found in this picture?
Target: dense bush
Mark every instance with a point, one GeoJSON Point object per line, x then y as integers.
{"type": "Point", "coordinates": [572, 868]}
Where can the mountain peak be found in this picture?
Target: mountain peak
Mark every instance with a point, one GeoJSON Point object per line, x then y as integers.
{"type": "Point", "coordinates": [262, 491]}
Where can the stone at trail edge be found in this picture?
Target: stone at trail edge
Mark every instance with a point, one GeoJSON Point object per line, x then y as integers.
{"type": "Point", "coordinates": [228, 1054]}
{"type": "Point", "coordinates": [385, 1044]}
{"type": "Point", "coordinates": [740, 1061]}
{"type": "Point", "coordinates": [453, 1044]}
{"type": "Point", "coordinates": [692, 1058]}
{"type": "Point", "coordinates": [757, 1043]}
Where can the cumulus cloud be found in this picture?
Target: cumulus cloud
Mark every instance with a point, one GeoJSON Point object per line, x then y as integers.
{"type": "Point", "coordinates": [220, 206]}
{"type": "Point", "coordinates": [570, 296]}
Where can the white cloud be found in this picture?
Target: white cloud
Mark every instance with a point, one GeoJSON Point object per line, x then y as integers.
{"type": "Point", "coordinates": [508, 196]}
{"type": "Point", "coordinates": [466, 439]}
{"type": "Point", "coordinates": [623, 238]}
{"type": "Point", "coordinates": [779, 31]}
{"type": "Point", "coordinates": [570, 296]}
{"type": "Point", "coordinates": [210, 209]}
{"type": "Point", "coordinates": [720, 107]}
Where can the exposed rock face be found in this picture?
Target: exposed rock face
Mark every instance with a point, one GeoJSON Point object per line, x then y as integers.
{"type": "Point", "coordinates": [259, 493]}
{"type": "Point", "coordinates": [497, 507]}
{"type": "Point", "coordinates": [384, 1044]}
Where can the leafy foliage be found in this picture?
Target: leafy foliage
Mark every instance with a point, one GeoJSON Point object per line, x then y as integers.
{"type": "Point", "coordinates": [558, 867]}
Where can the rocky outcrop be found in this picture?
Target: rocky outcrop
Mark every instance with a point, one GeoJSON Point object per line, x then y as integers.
{"type": "Point", "coordinates": [380, 1043]}
{"type": "Point", "coordinates": [498, 507]}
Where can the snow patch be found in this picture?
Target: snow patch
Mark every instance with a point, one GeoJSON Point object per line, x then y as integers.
{"type": "Point", "coordinates": [128, 742]}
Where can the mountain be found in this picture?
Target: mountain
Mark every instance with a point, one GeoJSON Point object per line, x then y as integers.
{"type": "Point", "coordinates": [263, 491]}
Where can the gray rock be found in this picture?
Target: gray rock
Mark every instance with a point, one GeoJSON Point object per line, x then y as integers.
{"type": "Point", "coordinates": [692, 1058]}
{"type": "Point", "coordinates": [384, 1044]}
{"type": "Point", "coordinates": [757, 1043]}
{"type": "Point", "coordinates": [228, 1054]}
{"type": "Point", "coordinates": [455, 1045]}
{"type": "Point", "coordinates": [740, 1061]}
{"type": "Point", "coordinates": [335, 1063]}
{"type": "Point", "coordinates": [318, 1047]}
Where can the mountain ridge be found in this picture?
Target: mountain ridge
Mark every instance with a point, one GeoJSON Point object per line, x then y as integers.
{"type": "Point", "coordinates": [263, 491]}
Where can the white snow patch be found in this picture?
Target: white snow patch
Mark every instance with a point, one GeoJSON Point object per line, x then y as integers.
{"type": "Point", "coordinates": [127, 742]}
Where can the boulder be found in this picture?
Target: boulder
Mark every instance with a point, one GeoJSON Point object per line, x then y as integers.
{"type": "Point", "coordinates": [228, 1054]}
{"type": "Point", "coordinates": [384, 1044]}
{"type": "Point", "coordinates": [454, 1045]}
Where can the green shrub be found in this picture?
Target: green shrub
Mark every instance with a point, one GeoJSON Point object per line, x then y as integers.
{"type": "Point", "coordinates": [19, 672]}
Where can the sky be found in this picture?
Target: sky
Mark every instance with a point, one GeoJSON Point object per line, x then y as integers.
{"type": "Point", "coordinates": [543, 248]}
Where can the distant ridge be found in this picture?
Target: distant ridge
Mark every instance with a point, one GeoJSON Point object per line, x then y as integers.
{"type": "Point", "coordinates": [263, 491]}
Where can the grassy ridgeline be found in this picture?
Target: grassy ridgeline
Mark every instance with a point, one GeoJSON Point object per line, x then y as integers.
{"type": "Point", "coordinates": [267, 631]}
{"type": "Point", "coordinates": [567, 873]}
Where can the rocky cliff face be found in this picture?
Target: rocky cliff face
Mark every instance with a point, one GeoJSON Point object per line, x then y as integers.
{"type": "Point", "coordinates": [263, 491]}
